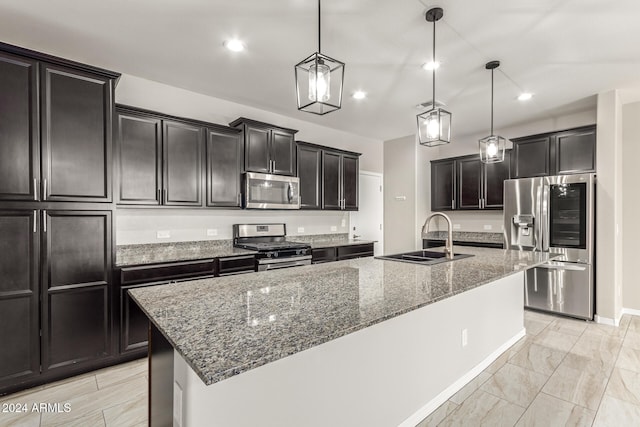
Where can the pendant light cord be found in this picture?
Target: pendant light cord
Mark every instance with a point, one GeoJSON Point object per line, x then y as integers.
{"type": "Point", "coordinates": [319, 51]}
{"type": "Point", "coordinates": [492, 101]}
{"type": "Point", "coordinates": [433, 60]}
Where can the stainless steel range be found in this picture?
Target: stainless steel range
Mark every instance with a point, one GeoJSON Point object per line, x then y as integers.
{"type": "Point", "coordinates": [269, 240]}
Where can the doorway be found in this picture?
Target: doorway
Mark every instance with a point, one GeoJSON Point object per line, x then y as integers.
{"type": "Point", "coordinates": [366, 223]}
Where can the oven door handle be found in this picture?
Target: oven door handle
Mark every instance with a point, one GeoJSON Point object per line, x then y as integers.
{"type": "Point", "coordinates": [282, 260]}
{"type": "Point", "coordinates": [289, 192]}
{"type": "Point", "coordinates": [287, 264]}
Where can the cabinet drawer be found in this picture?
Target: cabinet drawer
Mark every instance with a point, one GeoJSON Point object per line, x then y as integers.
{"type": "Point", "coordinates": [323, 255]}
{"type": "Point", "coordinates": [169, 271]}
{"type": "Point", "coordinates": [236, 265]}
{"type": "Point", "coordinates": [354, 251]}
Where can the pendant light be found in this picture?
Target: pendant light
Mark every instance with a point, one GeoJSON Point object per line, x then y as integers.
{"type": "Point", "coordinates": [319, 80]}
{"type": "Point", "coordinates": [492, 146]}
{"type": "Point", "coordinates": [434, 125]}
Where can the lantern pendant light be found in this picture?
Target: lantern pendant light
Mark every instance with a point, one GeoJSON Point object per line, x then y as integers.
{"type": "Point", "coordinates": [492, 146]}
{"type": "Point", "coordinates": [319, 80]}
{"type": "Point", "coordinates": [434, 126]}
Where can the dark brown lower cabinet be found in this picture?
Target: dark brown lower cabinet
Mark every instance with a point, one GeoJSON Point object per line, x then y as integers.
{"type": "Point", "coordinates": [19, 298]}
{"type": "Point", "coordinates": [75, 295]}
{"type": "Point", "coordinates": [134, 324]}
{"type": "Point", "coordinates": [54, 294]}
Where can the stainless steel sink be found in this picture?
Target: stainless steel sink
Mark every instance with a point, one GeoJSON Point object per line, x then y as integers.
{"type": "Point", "coordinates": [423, 257]}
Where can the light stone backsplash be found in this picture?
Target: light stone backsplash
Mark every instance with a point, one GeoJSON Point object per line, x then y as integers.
{"type": "Point", "coordinates": [141, 226]}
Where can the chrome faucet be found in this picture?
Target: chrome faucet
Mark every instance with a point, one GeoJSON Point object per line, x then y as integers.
{"type": "Point", "coordinates": [448, 244]}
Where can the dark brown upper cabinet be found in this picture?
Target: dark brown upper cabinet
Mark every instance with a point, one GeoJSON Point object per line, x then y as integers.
{"type": "Point", "coordinates": [555, 153]}
{"type": "Point", "coordinates": [19, 144]}
{"type": "Point", "coordinates": [469, 183]}
{"type": "Point", "coordinates": [139, 153]}
{"type": "Point", "coordinates": [465, 183]}
{"type": "Point", "coordinates": [309, 158]}
{"type": "Point", "coordinates": [183, 153]}
{"type": "Point", "coordinates": [56, 127]}
{"type": "Point", "coordinates": [170, 161]}
{"type": "Point", "coordinates": [224, 167]}
{"type": "Point", "coordinates": [267, 148]}
{"type": "Point", "coordinates": [531, 157]}
{"type": "Point", "coordinates": [443, 181]}
{"type": "Point", "coordinates": [493, 179]}
{"type": "Point", "coordinates": [575, 151]}
{"type": "Point", "coordinates": [340, 173]}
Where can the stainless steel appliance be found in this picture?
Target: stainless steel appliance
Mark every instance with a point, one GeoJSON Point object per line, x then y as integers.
{"type": "Point", "coordinates": [555, 214]}
{"type": "Point", "coordinates": [265, 191]}
{"type": "Point", "coordinates": [274, 251]}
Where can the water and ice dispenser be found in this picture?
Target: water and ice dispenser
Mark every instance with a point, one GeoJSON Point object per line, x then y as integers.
{"type": "Point", "coordinates": [522, 231]}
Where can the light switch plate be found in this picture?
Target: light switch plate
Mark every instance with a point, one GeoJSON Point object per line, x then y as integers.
{"type": "Point", "coordinates": [300, 229]}
{"type": "Point", "coordinates": [334, 228]}
{"type": "Point", "coordinates": [163, 234]}
{"type": "Point", "coordinates": [488, 227]}
{"type": "Point", "coordinates": [343, 223]}
{"type": "Point", "coordinates": [212, 231]}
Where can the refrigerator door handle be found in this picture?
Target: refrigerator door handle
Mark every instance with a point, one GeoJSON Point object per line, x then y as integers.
{"type": "Point", "coordinates": [562, 266]}
{"type": "Point", "coordinates": [546, 218]}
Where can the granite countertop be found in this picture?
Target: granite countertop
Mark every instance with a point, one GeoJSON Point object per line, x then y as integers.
{"type": "Point", "coordinates": [467, 236]}
{"type": "Point", "coordinates": [225, 326]}
{"type": "Point", "coordinates": [179, 251]}
{"type": "Point", "coordinates": [317, 244]}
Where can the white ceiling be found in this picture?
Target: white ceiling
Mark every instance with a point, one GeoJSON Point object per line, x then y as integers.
{"type": "Point", "coordinates": [564, 51]}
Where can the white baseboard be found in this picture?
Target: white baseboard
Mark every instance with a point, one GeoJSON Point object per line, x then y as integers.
{"type": "Point", "coordinates": [606, 320]}
{"type": "Point", "coordinates": [447, 393]}
{"type": "Point", "coordinates": [631, 311]}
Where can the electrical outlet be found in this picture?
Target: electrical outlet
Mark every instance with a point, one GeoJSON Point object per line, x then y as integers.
{"type": "Point", "coordinates": [343, 223]}
{"type": "Point", "coordinates": [300, 229]}
{"type": "Point", "coordinates": [464, 337]}
{"type": "Point", "coordinates": [456, 226]}
{"type": "Point", "coordinates": [334, 228]}
{"type": "Point", "coordinates": [163, 234]}
{"type": "Point", "coordinates": [488, 227]}
{"type": "Point", "coordinates": [212, 231]}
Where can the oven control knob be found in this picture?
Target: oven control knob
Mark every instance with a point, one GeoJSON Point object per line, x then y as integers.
{"type": "Point", "coordinates": [299, 252]}
{"type": "Point", "coordinates": [275, 254]}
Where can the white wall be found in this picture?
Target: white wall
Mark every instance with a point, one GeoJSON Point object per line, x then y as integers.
{"type": "Point", "coordinates": [630, 205]}
{"type": "Point", "coordinates": [140, 225]}
{"type": "Point", "coordinates": [399, 195]}
{"type": "Point", "coordinates": [609, 207]}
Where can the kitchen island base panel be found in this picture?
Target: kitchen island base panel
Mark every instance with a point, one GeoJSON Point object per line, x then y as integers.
{"type": "Point", "coordinates": [393, 373]}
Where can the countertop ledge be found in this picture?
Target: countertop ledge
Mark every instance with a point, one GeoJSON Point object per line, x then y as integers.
{"type": "Point", "coordinates": [225, 326]}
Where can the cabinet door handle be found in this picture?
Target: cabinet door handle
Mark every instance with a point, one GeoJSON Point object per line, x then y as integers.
{"type": "Point", "coordinates": [274, 167]}
{"type": "Point", "coordinates": [479, 203]}
{"type": "Point", "coordinates": [35, 189]}
{"type": "Point", "coordinates": [35, 221]}
{"type": "Point", "coordinates": [453, 204]}
{"type": "Point", "coordinates": [159, 196]}
{"type": "Point", "coordinates": [44, 221]}
{"type": "Point", "coordinates": [238, 199]}
{"type": "Point", "coordinates": [44, 189]}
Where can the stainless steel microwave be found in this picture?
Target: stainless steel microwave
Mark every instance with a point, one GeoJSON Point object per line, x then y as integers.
{"type": "Point", "coordinates": [265, 191]}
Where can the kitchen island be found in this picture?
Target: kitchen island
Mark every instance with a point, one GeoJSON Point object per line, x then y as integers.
{"type": "Point", "coordinates": [358, 342]}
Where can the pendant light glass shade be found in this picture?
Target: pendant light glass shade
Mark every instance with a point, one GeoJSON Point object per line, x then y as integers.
{"type": "Point", "coordinates": [434, 125]}
{"type": "Point", "coordinates": [492, 147]}
{"type": "Point", "coordinates": [319, 81]}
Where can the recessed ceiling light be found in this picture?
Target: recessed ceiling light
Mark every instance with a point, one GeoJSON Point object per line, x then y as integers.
{"type": "Point", "coordinates": [234, 45]}
{"type": "Point", "coordinates": [359, 94]}
{"type": "Point", "coordinates": [525, 96]}
{"type": "Point", "coordinates": [430, 66]}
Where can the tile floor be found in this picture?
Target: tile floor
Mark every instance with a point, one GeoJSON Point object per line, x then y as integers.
{"type": "Point", "coordinates": [564, 372]}
{"type": "Point", "coordinates": [110, 397]}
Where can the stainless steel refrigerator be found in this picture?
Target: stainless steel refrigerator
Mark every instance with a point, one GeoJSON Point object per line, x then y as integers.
{"type": "Point", "coordinates": [555, 214]}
